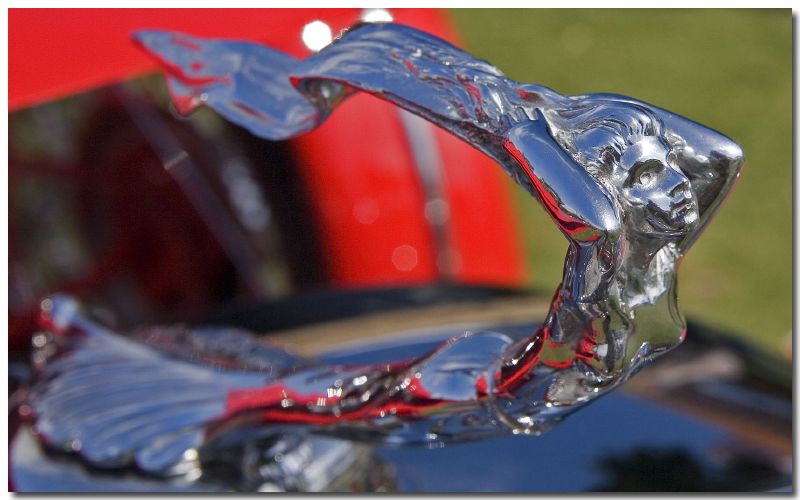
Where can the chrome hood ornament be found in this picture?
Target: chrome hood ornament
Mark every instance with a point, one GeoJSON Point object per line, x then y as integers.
{"type": "Point", "coordinates": [630, 185]}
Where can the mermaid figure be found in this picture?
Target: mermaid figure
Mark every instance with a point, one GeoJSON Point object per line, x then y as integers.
{"type": "Point", "coordinates": [630, 185]}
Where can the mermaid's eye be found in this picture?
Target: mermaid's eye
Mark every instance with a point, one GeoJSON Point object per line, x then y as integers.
{"type": "Point", "coordinates": [644, 174]}
{"type": "Point", "coordinates": [645, 178]}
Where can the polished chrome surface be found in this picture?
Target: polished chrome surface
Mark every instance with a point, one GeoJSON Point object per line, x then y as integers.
{"type": "Point", "coordinates": [630, 185]}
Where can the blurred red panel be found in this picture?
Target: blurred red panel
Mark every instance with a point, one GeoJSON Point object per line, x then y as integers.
{"type": "Point", "coordinates": [367, 195]}
{"type": "Point", "coordinates": [483, 224]}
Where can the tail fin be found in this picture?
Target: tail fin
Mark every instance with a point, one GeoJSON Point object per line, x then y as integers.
{"type": "Point", "coordinates": [120, 402]}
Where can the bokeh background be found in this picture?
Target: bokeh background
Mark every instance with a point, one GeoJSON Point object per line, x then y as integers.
{"type": "Point", "coordinates": [728, 69]}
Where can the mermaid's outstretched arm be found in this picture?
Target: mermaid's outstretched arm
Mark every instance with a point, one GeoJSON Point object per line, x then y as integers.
{"type": "Point", "coordinates": [582, 209]}
{"type": "Point", "coordinates": [419, 72]}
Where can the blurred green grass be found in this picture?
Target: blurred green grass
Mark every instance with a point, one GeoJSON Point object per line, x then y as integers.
{"type": "Point", "coordinates": [728, 69]}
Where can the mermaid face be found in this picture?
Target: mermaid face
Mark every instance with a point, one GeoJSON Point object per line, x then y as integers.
{"type": "Point", "coordinates": [658, 192]}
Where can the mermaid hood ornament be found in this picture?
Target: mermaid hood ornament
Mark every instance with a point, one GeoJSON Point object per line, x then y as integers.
{"type": "Point", "coordinates": [630, 185]}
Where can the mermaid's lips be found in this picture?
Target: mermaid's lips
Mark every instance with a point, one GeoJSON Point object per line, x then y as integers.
{"type": "Point", "coordinates": [677, 219]}
{"type": "Point", "coordinates": [681, 208]}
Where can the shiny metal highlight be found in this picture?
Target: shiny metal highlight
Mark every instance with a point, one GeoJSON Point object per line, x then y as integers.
{"type": "Point", "coordinates": [630, 185]}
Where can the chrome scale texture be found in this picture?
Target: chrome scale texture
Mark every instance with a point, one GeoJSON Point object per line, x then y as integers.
{"type": "Point", "coordinates": [630, 185]}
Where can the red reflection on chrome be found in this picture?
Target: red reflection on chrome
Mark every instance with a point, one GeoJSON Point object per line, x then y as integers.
{"type": "Point", "coordinates": [565, 221]}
